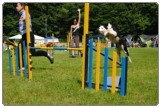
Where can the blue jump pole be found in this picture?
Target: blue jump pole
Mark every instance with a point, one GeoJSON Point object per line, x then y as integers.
{"type": "Point", "coordinates": [90, 64]}
{"type": "Point", "coordinates": [24, 59]}
{"type": "Point", "coordinates": [17, 61]}
{"type": "Point", "coordinates": [108, 56]}
{"type": "Point", "coordinates": [105, 69]}
{"type": "Point", "coordinates": [10, 61]}
{"type": "Point", "coordinates": [123, 86]}
{"type": "Point", "coordinates": [55, 48]}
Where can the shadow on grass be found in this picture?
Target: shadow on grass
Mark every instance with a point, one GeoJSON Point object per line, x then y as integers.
{"type": "Point", "coordinates": [42, 68]}
{"type": "Point", "coordinates": [86, 84]}
{"type": "Point", "coordinates": [94, 85]}
{"type": "Point", "coordinates": [108, 67]}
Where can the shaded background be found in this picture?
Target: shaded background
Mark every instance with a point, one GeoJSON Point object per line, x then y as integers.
{"type": "Point", "coordinates": [127, 18]}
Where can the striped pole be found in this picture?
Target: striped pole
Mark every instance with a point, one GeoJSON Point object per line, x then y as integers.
{"type": "Point", "coordinates": [86, 60]}
{"type": "Point", "coordinates": [53, 40]}
{"type": "Point", "coordinates": [98, 65]}
{"type": "Point", "coordinates": [68, 40]}
{"type": "Point", "coordinates": [24, 59]}
{"type": "Point", "coordinates": [10, 61]}
{"type": "Point", "coordinates": [123, 86]}
{"type": "Point", "coordinates": [114, 72]}
{"type": "Point", "coordinates": [105, 69]}
{"type": "Point", "coordinates": [86, 26]}
{"type": "Point", "coordinates": [83, 63]}
{"type": "Point", "coordinates": [20, 57]}
{"type": "Point", "coordinates": [52, 51]}
{"type": "Point", "coordinates": [17, 61]}
{"type": "Point", "coordinates": [13, 62]}
{"type": "Point", "coordinates": [90, 64]}
{"type": "Point", "coordinates": [29, 60]}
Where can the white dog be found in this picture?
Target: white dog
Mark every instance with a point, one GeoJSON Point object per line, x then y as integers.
{"type": "Point", "coordinates": [110, 34]}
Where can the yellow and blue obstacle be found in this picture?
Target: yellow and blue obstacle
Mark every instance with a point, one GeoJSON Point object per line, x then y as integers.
{"type": "Point", "coordinates": [13, 55]}
{"type": "Point", "coordinates": [115, 82]}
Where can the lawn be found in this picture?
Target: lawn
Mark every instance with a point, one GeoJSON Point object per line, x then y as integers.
{"type": "Point", "coordinates": [58, 83]}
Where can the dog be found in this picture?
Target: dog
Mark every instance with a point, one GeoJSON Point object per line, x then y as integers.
{"type": "Point", "coordinates": [111, 34]}
{"type": "Point", "coordinates": [49, 44]}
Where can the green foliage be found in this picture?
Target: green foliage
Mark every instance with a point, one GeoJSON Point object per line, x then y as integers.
{"type": "Point", "coordinates": [127, 18]}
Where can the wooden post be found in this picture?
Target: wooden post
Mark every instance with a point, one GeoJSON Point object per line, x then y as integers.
{"type": "Point", "coordinates": [123, 86]}
{"type": "Point", "coordinates": [29, 60]}
{"type": "Point", "coordinates": [105, 68]}
{"type": "Point", "coordinates": [10, 61]}
{"type": "Point", "coordinates": [13, 61]}
{"type": "Point", "coordinates": [98, 65]}
{"type": "Point", "coordinates": [114, 72]}
{"type": "Point", "coordinates": [90, 64]}
{"type": "Point", "coordinates": [86, 26]}
{"type": "Point", "coordinates": [20, 59]}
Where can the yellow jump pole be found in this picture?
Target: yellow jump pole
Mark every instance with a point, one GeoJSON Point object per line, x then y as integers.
{"type": "Point", "coordinates": [86, 26]}
{"type": "Point", "coordinates": [53, 40]}
{"type": "Point", "coordinates": [13, 61]}
{"type": "Point", "coordinates": [98, 65]}
{"type": "Point", "coordinates": [28, 43]}
{"type": "Point", "coordinates": [20, 57]}
{"type": "Point", "coordinates": [68, 41]}
{"type": "Point", "coordinates": [11, 43]}
{"type": "Point", "coordinates": [114, 72]}
{"type": "Point", "coordinates": [75, 49]}
{"type": "Point", "coordinates": [53, 44]}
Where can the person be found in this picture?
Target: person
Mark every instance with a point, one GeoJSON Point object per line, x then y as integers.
{"type": "Point", "coordinates": [4, 46]}
{"type": "Point", "coordinates": [74, 33]}
{"type": "Point", "coordinates": [22, 28]}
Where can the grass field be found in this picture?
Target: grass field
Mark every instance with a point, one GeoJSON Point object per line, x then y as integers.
{"type": "Point", "coordinates": [58, 83]}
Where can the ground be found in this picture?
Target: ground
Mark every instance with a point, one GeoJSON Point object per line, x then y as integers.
{"type": "Point", "coordinates": [59, 83]}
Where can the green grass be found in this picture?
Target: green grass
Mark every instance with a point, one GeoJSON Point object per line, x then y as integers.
{"type": "Point", "coordinates": [57, 84]}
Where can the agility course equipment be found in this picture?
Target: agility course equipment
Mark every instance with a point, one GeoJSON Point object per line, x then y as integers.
{"type": "Point", "coordinates": [107, 81]}
{"type": "Point", "coordinates": [29, 60]}
{"type": "Point", "coordinates": [28, 64]}
{"type": "Point", "coordinates": [13, 54]}
{"type": "Point", "coordinates": [28, 47]}
{"type": "Point", "coordinates": [84, 59]}
{"type": "Point", "coordinates": [87, 74]}
{"type": "Point", "coordinates": [93, 37]}
{"type": "Point", "coordinates": [86, 21]}
{"type": "Point", "coordinates": [87, 62]}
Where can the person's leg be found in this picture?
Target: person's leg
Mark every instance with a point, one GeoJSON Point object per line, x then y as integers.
{"type": "Point", "coordinates": [77, 43]}
{"type": "Point", "coordinates": [39, 53]}
{"type": "Point", "coordinates": [32, 40]}
{"type": "Point", "coordinates": [20, 42]}
{"type": "Point", "coordinates": [72, 44]}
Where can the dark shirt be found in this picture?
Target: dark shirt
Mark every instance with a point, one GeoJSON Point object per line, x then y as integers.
{"type": "Point", "coordinates": [75, 31]}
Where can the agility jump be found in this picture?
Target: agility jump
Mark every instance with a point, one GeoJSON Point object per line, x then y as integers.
{"type": "Point", "coordinates": [28, 55]}
{"type": "Point", "coordinates": [87, 74]}
{"type": "Point", "coordinates": [108, 82]}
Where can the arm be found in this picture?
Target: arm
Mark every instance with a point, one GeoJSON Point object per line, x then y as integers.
{"type": "Point", "coordinates": [24, 15]}
{"type": "Point", "coordinates": [79, 17]}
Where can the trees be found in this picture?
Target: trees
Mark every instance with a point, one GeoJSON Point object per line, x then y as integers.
{"type": "Point", "coordinates": [10, 20]}
{"type": "Point", "coordinates": [128, 18]}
